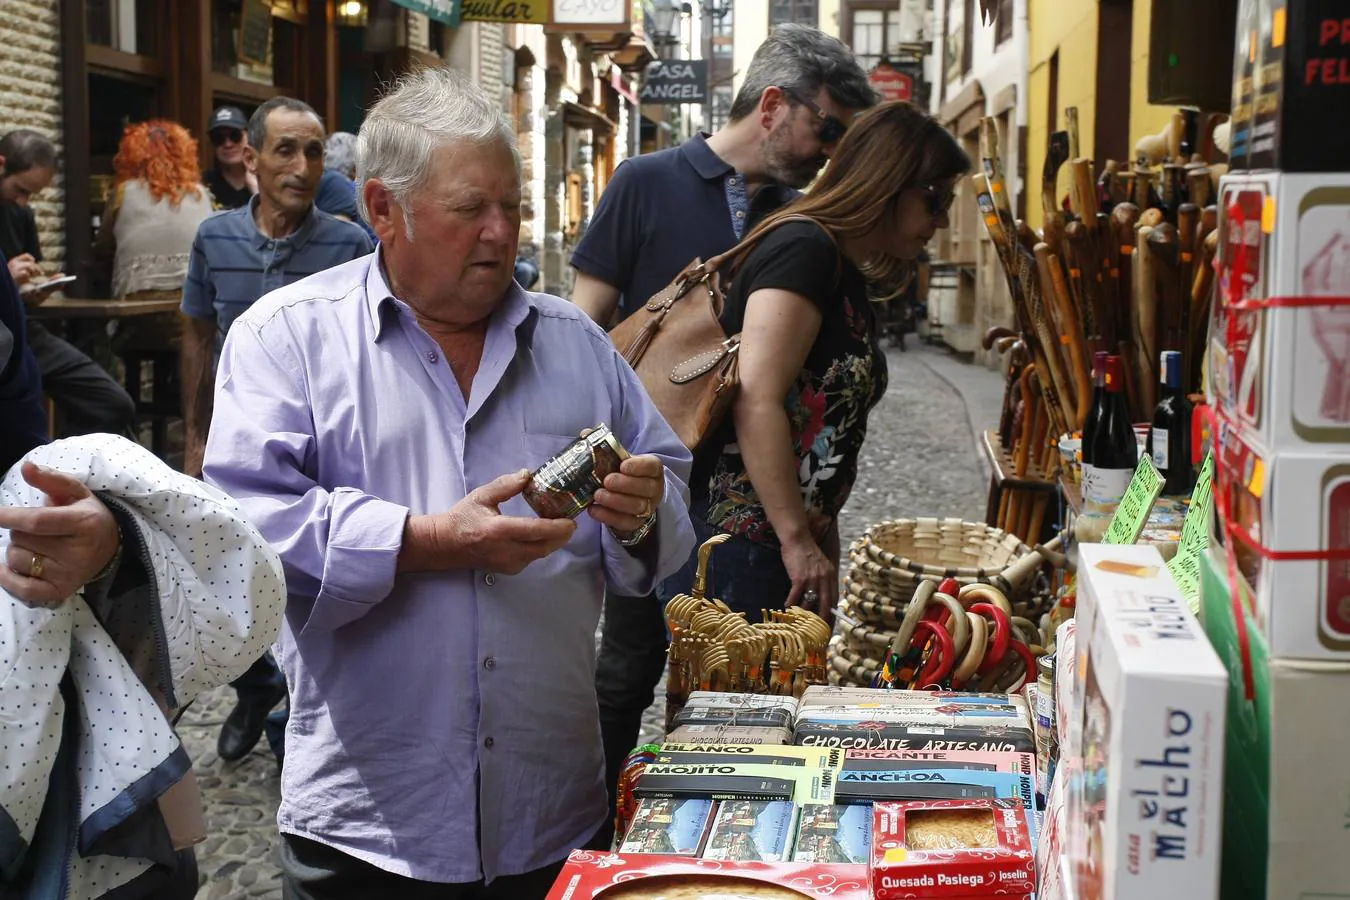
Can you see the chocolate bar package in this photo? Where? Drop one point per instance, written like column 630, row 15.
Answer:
column 704, row 713
column 738, row 781
column 672, row 825
column 882, row 760
column 843, row 695
column 884, row 736
column 752, row 831
column 834, row 834
column 829, row 757
column 748, row 735
column 870, row 785
column 955, row 715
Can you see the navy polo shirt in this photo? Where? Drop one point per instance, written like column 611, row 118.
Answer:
column 663, row 209
column 233, row 264
column 21, row 405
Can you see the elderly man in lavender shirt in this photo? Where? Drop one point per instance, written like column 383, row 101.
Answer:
column 439, row 638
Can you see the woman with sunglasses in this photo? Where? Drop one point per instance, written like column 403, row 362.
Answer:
column 779, row 470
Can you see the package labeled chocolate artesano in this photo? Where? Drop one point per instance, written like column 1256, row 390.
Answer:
column 950, row 849
column 752, row 831
column 674, row 825
column 751, row 735
column 738, row 780
column 834, row 834
column 1145, row 813
column 821, row 757
column 887, row 736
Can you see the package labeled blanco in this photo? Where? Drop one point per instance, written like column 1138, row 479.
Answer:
column 1144, row 816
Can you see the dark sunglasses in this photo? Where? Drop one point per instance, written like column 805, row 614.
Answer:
column 939, row 199
column 831, row 128
column 221, row 135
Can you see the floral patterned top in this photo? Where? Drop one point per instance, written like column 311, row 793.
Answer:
column 844, row 377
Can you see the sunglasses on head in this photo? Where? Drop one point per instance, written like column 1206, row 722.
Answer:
column 939, row 199
column 221, row 135
column 830, row 129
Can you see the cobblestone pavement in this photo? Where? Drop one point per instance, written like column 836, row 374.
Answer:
column 920, row 459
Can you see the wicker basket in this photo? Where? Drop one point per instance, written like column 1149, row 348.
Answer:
column 891, row 559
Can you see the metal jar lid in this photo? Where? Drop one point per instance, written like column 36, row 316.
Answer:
column 1045, row 666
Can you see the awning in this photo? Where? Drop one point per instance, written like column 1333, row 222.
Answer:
column 444, row 11
column 577, row 116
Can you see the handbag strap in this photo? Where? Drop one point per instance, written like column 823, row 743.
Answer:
column 748, row 244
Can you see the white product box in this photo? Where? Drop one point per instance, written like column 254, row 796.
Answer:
column 1145, row 814
column 1294, row 503
column 1283, row 372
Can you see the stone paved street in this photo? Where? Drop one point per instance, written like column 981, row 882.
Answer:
column 920, row 459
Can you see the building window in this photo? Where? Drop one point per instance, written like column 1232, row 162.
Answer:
column 719, row 107
column 967, row 37
column 802, row 11
column 1003, row 21
column 131, row 26
column 876, row 34
column 722, row 32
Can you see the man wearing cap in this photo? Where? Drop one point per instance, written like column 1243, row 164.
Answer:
column 229, row 180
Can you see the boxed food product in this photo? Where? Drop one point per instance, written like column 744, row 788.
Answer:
column 1011, row 709
column 1297, row 63
column 738, row 781
column 869, row 785
column 1246, row 51
column 974, row 760
column 1282, row 372
column 714, row 708
column 1144, row 815
column 1294, row 503
column 951, row 848
column 1287, row 780
column 844, row 695
column 1068, row 726
column 1050, row 840
column 611, row 876
column 674, row 752
column 834, row 834
column 752, row 831
column 669, row 825
column 754, row 735
column 887, row 736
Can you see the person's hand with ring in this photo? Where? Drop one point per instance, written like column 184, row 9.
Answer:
column 55, row 550
column 631, row 495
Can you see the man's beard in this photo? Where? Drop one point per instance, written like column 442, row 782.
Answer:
column 785, row 168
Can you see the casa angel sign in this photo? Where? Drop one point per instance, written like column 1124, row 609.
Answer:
column 675, row 81
column 582, row 15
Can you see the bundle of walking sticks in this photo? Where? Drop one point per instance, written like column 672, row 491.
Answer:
column 1124, row 266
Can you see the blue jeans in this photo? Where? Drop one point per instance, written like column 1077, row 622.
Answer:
column 746, row 576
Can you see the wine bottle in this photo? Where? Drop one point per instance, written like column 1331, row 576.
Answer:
column 1095, row 411
column 1115, row 452
column 1169, row 443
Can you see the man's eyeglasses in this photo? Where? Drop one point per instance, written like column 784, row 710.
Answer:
column 939, row 199
column 831, row 128
column 221, row 135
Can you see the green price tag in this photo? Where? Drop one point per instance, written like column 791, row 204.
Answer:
column 1132, row 514
column 1185, row 566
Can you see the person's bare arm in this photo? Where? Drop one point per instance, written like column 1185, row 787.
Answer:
column 596, row 298
column 199, row 383
column 780, row 327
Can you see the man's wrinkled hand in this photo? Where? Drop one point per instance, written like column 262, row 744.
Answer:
column 56, row 549
column 474, row 534
column 631, row 495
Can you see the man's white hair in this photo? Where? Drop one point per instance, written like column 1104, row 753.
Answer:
column 427, row 108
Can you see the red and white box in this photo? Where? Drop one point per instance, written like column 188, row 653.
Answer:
column 600, row 876
column 1282, row 372
column 951, row 849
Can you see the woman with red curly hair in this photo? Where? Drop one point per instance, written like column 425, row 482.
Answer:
column 159, row 203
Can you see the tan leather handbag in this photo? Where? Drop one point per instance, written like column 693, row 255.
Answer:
column 681, row 353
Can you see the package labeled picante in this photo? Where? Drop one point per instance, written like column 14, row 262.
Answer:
column 674, row 825
column 674, row 752
column 736, row 780
column 834, row 834
column 1279, row 363
column 951, row 848
column 1144, row 814
column 752, row 831
column 876, row 735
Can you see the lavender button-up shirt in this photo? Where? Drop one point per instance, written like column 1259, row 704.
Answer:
column 443, row 725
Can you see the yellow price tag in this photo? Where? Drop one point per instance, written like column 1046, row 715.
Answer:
column 896, row 855
column 1185, row 566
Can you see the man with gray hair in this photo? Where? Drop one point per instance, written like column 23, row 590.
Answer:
column 657, row 214
column 439, row 640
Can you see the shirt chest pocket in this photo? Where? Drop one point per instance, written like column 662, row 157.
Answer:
column 539, row 448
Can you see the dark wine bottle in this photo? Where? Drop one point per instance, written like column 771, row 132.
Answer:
column 1115, row 452
column 1095, row 411
column 1169, row 443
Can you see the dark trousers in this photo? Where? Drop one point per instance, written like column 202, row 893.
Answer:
column 632, row 657
column 314, row 871
column 260, row 683
column 746, row 576
column 90, row 399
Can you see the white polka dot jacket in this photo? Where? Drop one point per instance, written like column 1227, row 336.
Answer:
column 96, row 792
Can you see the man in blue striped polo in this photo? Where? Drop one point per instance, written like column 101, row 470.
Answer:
column 237, row 257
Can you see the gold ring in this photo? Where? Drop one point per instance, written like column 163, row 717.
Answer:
column 646, row 509
column 36, row 566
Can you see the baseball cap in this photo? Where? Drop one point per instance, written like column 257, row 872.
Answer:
column 228, row 117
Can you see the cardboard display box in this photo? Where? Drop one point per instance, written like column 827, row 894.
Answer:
column 752, row 831
column 888, row 736
column 670, row 826
column 1286, row 824
column 1294, row 502
column 602, row 876
column 1283, row 372
column 834, row 834
column 1144, row 815
column 915, row 856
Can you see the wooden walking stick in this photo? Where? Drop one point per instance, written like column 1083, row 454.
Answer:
column 1145, row 322
column 1071, row 334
